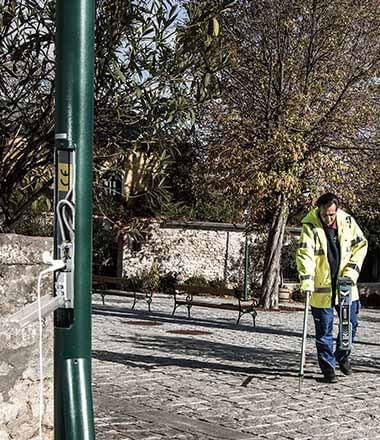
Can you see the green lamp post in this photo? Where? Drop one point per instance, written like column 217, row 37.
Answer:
column 73, row 412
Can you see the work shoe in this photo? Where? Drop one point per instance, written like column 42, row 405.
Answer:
column 345, row 367
column 330, row 377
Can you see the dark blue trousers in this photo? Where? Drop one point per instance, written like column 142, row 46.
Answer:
column 324, row 320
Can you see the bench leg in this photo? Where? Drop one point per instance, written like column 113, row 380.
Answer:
column 174, row 308
column 253, row 313
column 134, row 300
column 188, row 310
column 149, row 300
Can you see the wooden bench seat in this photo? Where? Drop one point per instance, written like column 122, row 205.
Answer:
column 241, row 306
column 121, row 287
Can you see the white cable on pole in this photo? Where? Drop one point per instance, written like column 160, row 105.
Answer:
column 54, row 265
column 63, row 220
column 41, row 390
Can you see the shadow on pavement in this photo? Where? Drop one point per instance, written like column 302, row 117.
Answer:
column 369, row 318
column 203, row 354
column 197, row 353
column 356, row 342
column 210, row 324
column 150, row 362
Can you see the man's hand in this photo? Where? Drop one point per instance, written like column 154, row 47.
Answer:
column 306, row 294
column 345, row 281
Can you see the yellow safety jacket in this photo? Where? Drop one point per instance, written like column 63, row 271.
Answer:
column 311, row 256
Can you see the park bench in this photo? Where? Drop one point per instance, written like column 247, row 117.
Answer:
column 184, row 296
column 121, row 287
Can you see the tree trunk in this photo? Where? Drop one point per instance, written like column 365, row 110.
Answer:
column 3, row 216
column 272, row 270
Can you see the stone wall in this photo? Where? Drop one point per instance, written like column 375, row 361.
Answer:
column 20, row 263
column 214, row 255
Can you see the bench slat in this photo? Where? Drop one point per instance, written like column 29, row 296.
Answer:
column 216, row 305
column 205, row 290
column 243, row 306
column 100, row 279
column 119, row 282
column 113, row 292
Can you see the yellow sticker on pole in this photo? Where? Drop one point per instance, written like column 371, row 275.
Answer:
column 64, row 177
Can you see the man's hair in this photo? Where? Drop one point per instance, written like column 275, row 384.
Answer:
column 327, row 200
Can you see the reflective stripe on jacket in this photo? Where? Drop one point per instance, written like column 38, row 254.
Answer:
column 311, row 256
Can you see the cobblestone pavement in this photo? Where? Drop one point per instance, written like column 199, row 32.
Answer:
column 151, row 381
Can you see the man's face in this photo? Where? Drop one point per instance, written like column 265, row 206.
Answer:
column 328, row 214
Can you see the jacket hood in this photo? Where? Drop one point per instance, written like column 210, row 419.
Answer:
column 313, row 217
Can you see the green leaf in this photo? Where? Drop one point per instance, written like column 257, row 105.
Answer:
column 192, row 116
column 207, row 79
column 170, row 117
column 215, row 27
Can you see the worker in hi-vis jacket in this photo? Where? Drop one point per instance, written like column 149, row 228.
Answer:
column 331, row 246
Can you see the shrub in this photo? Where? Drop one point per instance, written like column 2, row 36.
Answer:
column 217, row 282
column 167, row 282
column 151, row 279
column 196, row 280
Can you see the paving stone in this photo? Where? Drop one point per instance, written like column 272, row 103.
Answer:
column 235, row 382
